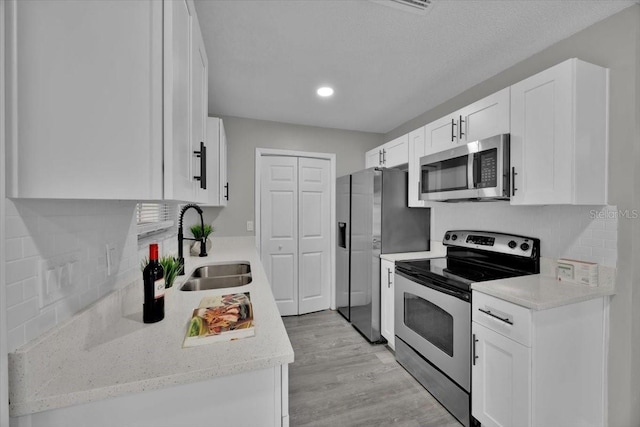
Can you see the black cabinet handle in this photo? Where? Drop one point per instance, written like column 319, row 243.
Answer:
column 473, row 351
column 453, row 132
column 226, row 191
column 460, row 127
column 384, row 157
column 489, row 313
column 379, row 157
column 202, row 154
column 513, row 181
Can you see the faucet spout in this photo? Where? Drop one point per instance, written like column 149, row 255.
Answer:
column 181, row 238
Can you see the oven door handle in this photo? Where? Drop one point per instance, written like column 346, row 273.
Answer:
column 503, row 319
column 432, row 284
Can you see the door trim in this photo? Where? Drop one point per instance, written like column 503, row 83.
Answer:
column 260, row 152
column 4, row 365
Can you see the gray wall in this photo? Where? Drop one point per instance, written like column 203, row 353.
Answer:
column 245, row 135
column 612, row 43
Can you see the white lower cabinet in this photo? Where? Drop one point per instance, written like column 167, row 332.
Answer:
column 502, row 372
column 387, row 279
column 209, row 402
column 538, row 368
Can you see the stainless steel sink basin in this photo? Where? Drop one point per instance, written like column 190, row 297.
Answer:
column 218, row 276
column 217, row 270
column 208, row 283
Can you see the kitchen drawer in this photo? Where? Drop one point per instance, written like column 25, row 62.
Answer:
column 511, row 320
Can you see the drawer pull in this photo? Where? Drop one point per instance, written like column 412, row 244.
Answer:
column 474, row 355
column 504, row 319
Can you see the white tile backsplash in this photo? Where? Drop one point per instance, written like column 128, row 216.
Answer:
column 587, row 233
column 41, row 230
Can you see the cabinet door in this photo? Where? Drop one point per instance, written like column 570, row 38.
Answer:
column 396, row 152
column 216, row 162
column 178, row 155
column 373, row 158
column 387, row 271
column 417, row 149
column 541, row 135
column 84, row 107
column 500, row 379
column 485, row 118
column 224, row 180
column 200, row 110
column 441, row 134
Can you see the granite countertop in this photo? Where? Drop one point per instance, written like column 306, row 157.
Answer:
column 437, row 250
column 540, row 292
column 106, row 350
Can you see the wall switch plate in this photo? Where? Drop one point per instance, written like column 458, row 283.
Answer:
column 249, row 225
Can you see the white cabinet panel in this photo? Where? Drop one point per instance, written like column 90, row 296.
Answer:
column 538, row 367
column 482, row 119
column 418, row 147
column 85, row 99
column 200, row 111
column 217, row 184
column 387, row 280
column 373, row 158
column 501, row 377
column 113, row 116
column 485, row 118
column 389, row 155
column 559, row 135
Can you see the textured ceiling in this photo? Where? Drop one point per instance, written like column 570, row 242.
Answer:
column 267, row 57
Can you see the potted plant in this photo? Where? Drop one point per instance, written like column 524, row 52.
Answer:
column 199, row 233
column 169, row 265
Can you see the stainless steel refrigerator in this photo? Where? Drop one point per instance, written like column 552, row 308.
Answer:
column 373, row 218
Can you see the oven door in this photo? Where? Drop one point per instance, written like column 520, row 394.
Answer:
column 437, row 325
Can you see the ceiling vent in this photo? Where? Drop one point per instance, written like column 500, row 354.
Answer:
column 420, row 7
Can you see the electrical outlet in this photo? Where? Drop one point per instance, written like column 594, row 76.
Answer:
column 58, row 277
column 249, row 225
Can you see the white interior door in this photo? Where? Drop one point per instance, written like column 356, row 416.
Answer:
column 279, row 225
column 314, row 211
column 295, row 219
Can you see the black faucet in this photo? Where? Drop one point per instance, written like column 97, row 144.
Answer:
column 181, row 238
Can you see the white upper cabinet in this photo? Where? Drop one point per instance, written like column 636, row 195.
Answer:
column 217, row 184
column 482, row 119
column 417, row 149
column 100, row 102
column 391, row 154
column 200, row 111
column 559, row 136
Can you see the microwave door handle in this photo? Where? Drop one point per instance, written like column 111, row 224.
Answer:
column 471, row 175
column 476, row 169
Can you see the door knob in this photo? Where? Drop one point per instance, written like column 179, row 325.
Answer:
column 279, row 247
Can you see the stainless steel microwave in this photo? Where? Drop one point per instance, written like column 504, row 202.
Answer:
column 478, row 170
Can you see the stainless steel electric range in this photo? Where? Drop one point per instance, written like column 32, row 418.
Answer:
column 433, row 309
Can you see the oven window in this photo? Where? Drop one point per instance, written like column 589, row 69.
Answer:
column 447, row 175
column 429, row 321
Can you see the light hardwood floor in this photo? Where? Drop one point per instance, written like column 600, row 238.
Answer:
column 339, row 379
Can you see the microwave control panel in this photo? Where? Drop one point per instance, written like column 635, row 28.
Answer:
column 488, row 169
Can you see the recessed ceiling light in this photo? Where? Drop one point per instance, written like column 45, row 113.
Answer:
column 325, row 91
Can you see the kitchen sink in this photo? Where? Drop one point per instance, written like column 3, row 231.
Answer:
column 217, row 270
column 218, row 276
column 208, row 283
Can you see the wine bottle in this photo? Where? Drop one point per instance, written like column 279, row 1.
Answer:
column 153, row 275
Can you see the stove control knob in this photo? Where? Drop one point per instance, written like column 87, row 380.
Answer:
column 447, row 236
column 524, row 246
column 454, row 237
column 512, row 244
